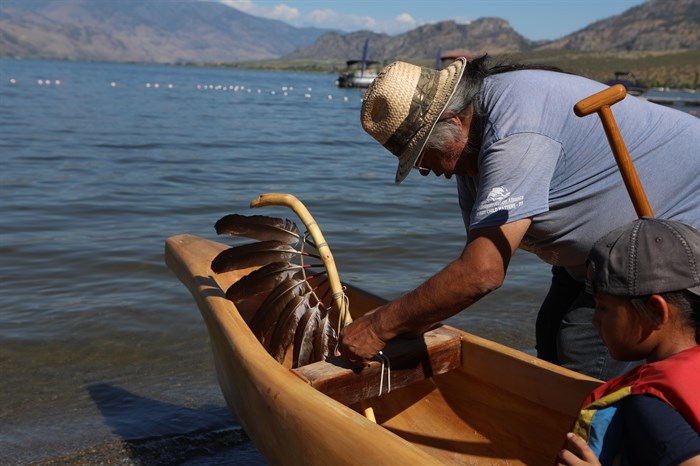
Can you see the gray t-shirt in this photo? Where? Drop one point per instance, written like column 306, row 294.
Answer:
column 540, row 160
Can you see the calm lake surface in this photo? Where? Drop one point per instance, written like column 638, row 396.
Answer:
column 104, row 357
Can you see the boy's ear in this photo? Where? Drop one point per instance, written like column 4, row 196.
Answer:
column 660, row 308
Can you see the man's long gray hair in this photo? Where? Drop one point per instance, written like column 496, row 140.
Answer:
column 445, row 131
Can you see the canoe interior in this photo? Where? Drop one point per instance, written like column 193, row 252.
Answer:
column 500, row 406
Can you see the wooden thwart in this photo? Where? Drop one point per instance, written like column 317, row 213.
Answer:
column 409, row 360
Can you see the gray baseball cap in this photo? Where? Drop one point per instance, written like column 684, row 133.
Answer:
column 645, row 257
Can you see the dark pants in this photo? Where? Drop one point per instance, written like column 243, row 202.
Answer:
column 565, row 334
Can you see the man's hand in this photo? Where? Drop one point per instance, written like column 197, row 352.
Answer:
column 359, row 342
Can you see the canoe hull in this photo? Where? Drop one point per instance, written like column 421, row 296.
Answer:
column 500, row 406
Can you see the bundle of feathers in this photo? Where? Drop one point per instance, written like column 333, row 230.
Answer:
column 295, row 308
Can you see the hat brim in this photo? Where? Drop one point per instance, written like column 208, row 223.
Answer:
column 695, row 290
column 449, row 77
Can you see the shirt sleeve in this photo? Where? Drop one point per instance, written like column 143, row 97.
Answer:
column 466, row 190
column 515, row 173
column 655, row 433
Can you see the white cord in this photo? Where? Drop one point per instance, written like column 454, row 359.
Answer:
column 381, row 374
column 385, row 361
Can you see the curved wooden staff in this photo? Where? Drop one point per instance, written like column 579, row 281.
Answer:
column 321, row 245
column 324, row 251
column 600, row 103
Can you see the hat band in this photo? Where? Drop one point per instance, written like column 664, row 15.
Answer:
column 420, row 104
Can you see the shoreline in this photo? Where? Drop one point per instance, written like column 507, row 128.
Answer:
column 675, row 70
column 199, row 447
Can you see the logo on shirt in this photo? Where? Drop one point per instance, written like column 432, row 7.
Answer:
column 498, row 194
column 499, row 198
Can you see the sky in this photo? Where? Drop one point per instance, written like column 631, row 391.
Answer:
column 533, row 19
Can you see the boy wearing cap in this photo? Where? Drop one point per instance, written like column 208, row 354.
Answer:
column 530, row 175
column 645, row 278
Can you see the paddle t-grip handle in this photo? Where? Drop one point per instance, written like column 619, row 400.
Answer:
column 600, row 103
column 597, row 101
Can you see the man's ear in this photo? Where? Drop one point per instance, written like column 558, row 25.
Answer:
column 455, row 120
column 465, row 118
column 660, row 309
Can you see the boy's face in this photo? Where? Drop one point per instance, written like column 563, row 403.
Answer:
column 623, row 330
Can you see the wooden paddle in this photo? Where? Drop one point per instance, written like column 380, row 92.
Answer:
column 600, row 103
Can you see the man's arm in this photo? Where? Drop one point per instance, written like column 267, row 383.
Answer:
column 480, row 269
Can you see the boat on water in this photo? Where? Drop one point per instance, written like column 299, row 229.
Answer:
column 358, row 74
column 445, row 397
column 682, row 99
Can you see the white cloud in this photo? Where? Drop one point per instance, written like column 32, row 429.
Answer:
column 325, row 18
column 243, row 5
column 280, row 11
column 406, row 20
column 285, row 13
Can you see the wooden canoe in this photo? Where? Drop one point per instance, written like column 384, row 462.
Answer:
column 462, row 400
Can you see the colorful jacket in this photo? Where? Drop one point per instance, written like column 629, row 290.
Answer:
column 675, row 380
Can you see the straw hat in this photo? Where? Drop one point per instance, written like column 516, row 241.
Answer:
column 403, row 104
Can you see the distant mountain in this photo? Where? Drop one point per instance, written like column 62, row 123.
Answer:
column 659, row 25
column 654, row 25
column 156, row 31
column 167, row 31
column 487, row 34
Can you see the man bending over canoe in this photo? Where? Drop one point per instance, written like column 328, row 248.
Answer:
column 530, row 175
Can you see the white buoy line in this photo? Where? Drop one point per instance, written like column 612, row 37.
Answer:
column 40, row 82
column 282, row 91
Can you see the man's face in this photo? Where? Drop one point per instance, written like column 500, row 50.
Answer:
column 442, row 163
column 452, row 159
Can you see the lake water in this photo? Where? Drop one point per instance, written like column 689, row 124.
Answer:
column 103, row 355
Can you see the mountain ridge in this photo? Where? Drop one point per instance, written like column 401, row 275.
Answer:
column 153, row 31
column 654, row 25
column 493, row 35
column 205, row 32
